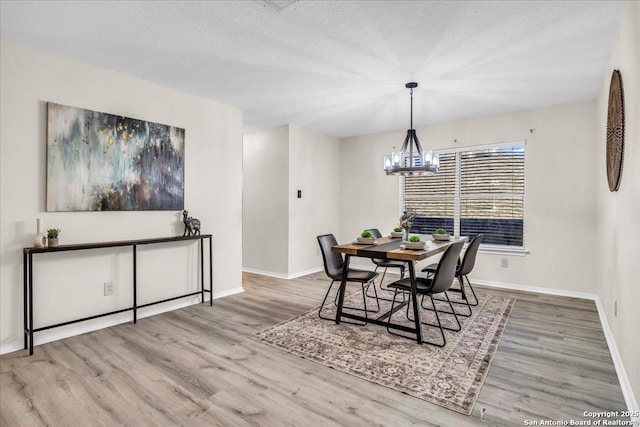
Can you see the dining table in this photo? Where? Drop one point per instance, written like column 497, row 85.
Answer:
column 390, row 248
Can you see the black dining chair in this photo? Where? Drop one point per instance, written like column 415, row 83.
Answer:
column 333, row 266
column 465, row 266
column 439, row 283
column 386, row 263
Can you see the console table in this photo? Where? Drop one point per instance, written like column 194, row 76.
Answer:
column 28, row 279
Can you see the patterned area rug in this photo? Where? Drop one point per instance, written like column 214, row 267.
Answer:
column 450, row 376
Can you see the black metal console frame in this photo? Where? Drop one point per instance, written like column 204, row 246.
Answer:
column 28, row 279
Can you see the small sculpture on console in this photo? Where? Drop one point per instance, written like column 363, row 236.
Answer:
column 191, row 225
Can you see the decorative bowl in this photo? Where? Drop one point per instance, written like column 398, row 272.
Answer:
column 367, row 240
column 442, row 237
column 415, row 245
column 397, row 234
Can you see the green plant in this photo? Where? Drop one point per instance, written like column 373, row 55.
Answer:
column 441, row 231
column 398, row 229
column 414, row 239
column 52, row 233
column 366, row 234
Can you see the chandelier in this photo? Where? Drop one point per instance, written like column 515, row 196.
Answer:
column 411, row 160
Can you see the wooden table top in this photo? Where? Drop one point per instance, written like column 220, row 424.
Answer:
column 389, row 248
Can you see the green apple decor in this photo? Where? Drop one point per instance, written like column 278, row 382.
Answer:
column 398, row 230
column 414, row 239
column 441, row 231
column 366, row 234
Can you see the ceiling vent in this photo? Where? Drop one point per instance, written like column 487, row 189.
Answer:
column 279, row 5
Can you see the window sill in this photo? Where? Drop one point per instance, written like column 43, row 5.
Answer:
column 502, row 250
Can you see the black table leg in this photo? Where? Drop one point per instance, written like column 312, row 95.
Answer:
column 30, row 304
column 24, row 300
column 202, row 271
column 414, row 299
column 135, row 285
column 210, row 271
column 343, row 286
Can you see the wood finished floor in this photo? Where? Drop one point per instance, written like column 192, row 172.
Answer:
column 197, row 367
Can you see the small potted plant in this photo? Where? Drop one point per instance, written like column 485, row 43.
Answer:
column 52, row 237
column 397, row 232
column 440, row 234
column 366, row 237
column 414, row 242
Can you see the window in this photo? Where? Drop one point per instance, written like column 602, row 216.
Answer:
column 477, row 190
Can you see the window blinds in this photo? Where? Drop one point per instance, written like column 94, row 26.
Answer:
column 476, row 191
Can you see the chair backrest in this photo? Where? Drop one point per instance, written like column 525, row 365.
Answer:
column 333, row 262
column 375, row 232
column 446, row 271
column 469, row 259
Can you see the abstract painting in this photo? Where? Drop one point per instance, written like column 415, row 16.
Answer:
column 103, row 162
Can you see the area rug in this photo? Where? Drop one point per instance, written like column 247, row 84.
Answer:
column 451, row 376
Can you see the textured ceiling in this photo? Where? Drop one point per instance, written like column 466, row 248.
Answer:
column 339, row 67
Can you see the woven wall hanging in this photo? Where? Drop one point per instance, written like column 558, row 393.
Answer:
column 615, row 131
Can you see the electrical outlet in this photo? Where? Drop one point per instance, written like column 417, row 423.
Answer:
column 108, row 288
column 504, row 262
column 615, row 308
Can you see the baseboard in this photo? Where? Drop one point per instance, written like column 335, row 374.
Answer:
column 227, row 292
column 280, row 275
column 305, row 273
column 116, row 319
column 536, row 289
column 623, row 379
column 625, row 385
column 265, row 273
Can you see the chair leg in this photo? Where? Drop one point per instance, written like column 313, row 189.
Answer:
column 475, row 297
column 444, row 339
column 333, row 319
column 365, row 287
column 382, row 289
column 335, row 300
column 393, row 302
column 384, row 273
column 364, row 290
column 464, row 297
column 364, row 301
column 375, row 293
column 454, row 313
column 433, row 300
column 462, row 292
column 465, row 303
column 324, row 300
column 439, row 326
column 381, row 280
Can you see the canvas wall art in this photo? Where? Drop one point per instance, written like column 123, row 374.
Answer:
column 103, row 162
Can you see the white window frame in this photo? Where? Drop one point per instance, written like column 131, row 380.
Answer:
column 484, row 248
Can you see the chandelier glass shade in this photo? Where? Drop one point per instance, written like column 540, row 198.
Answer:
column 411, row 159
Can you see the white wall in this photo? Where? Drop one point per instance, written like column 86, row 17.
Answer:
column 560, row 219
column 314, row 168
column 265, row 213
column 279, row 229
column 70, row 284
column 618, row 236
